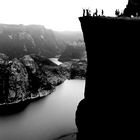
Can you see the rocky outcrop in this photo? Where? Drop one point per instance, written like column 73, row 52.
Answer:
column 78, row 69
column 34, row 76
column 18, row 82
column 75, row 50
column 111, row 97
column 31, row 76
column 3, row 77
column 75, row 69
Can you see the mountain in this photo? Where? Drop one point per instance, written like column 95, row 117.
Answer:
column 19, row 40
column 64, row 38
column 75, row 50
column 31, row 76
column 25, row 70
column 34, row 76
column 71, row 44
column 69, row 36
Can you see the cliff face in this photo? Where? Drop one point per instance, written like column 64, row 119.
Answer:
column 34, row 76
column 110, row 58
column 72, row 51
column 29, row 77
column 18, row 82
column 113, row 58
column 75, row 69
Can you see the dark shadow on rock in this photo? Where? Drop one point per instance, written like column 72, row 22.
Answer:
column 82, row 120
column 12, row 109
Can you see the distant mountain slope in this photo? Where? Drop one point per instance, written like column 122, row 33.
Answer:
column 64, row 38
column 69, row 36
column 18, row 40
column 75, row 50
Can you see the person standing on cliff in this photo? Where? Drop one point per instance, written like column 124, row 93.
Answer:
column 96, row 12
column 83, row 12
column 117, row 12
column 102, row 12
column 87, row 12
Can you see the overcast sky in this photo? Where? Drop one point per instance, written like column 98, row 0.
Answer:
column 54, row 14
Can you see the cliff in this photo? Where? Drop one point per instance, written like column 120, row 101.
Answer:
column 75, row 69
column 33, row 76
column 29, row 77
column 113, row 58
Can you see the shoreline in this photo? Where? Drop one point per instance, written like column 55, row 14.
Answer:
column 34, row 98
column 30, row 99
column 68, row 136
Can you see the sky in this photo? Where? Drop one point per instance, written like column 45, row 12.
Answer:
column 59, row 15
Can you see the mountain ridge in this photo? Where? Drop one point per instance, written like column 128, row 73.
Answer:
column 19, row 40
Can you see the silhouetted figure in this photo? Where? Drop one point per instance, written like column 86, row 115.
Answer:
column 88, row 12
column 102, row 12
column 96, row 12
column 84, row 11
column 117, row 12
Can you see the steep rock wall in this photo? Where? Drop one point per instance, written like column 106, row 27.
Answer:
column 113, row 58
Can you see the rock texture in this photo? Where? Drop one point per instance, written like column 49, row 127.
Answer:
column 18, row 82
column 4, row 81
column 78, row 69
column 29, row 77
column 75, row 50
column 75, row 69
column 19, row 40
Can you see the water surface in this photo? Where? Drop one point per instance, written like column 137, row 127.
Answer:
column 47, row 118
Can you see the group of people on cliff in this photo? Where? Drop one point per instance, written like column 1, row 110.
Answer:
column 118, row 13
column 87, row 12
